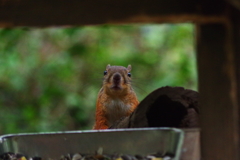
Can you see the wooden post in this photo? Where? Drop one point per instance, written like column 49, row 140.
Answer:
column 235, row 24
column 217, row 86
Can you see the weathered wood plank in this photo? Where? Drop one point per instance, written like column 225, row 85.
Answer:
column 86, row 12
column 235, row 24
column 191, row 145
column 217, row 86
column 235, row 3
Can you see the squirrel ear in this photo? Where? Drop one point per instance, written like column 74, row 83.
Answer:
column 129, row 68
column 108, row 66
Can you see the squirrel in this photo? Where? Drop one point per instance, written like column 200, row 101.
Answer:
column 116, row 99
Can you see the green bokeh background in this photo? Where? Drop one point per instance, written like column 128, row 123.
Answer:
column 50, row 77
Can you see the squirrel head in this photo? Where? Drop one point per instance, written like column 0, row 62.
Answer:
column 117, row 80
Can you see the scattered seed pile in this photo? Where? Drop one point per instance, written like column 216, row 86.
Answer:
column 77, row 156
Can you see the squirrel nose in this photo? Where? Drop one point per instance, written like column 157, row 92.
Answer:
column 116, row 78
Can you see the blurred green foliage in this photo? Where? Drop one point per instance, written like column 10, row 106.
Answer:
column 49, row 78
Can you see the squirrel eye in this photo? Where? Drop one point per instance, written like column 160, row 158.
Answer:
column 105, row 72
column 129, row 74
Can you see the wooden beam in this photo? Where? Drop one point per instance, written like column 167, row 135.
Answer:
column 235, row 24
column 87, row 12
column 217, row 87
column 235, row 3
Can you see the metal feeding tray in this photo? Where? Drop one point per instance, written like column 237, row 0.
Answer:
column 143, row 141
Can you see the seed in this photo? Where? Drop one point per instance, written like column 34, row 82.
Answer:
column 76, row 156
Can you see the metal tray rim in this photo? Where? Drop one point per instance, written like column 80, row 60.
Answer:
column 90, row 131
column 178, row 131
